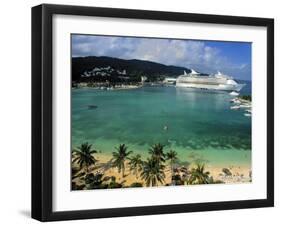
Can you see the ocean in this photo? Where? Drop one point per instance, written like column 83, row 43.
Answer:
column 198, row 125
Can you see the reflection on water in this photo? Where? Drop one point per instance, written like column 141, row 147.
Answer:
column 194, row 96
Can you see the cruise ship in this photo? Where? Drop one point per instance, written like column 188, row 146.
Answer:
column 217, row 81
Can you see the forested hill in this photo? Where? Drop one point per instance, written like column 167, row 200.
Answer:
column 99, row 68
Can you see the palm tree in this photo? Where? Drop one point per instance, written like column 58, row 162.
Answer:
column 153, row 172
column 119, row 158
column 199, row 175
column 157, row 153
column 136, row 164
column 172, row 157
column 84, row 156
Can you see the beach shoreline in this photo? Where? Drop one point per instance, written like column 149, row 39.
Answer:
column 240, row 173
column 199, row 128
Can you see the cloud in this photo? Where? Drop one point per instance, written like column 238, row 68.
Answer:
column 187, row 53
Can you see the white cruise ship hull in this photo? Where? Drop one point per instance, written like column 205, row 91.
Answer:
column 217, row 82
column 219, row 87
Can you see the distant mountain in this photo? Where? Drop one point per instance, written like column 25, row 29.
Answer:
column 94, row 68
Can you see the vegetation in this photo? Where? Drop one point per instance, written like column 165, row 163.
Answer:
column 134, row 68
column 119, row 158
column 136, row 185
column 136, row 164
column 74, row 186
column 114, row 184
column 199, row 175
column 94, row 181
column 84, row 156
column 157, row 153
column 246, row 97
column 172, row 157
column 177, row 179
column 151, row 171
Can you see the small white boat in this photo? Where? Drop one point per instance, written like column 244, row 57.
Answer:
column 248, row 115
column 235, row 107
column 245, row 106
column 235, row 101
column 233, row 93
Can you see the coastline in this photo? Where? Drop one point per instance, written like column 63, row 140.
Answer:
column 105, row 86
column 219, row 138
column 240, row 172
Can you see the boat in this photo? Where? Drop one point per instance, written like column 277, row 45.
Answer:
column 235, row 107
column 235, row 101
column 245, row 106
column 233, row 93
column 169, row 81
column 248, row 115
column 217, row 81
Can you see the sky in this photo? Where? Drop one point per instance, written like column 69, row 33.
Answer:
column 231, row 58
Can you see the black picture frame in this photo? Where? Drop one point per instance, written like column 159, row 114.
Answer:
column 42, row 111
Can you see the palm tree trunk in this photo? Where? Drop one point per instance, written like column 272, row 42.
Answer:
column 172, row 173
column 123, row 172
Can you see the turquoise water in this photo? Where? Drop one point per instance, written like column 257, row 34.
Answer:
column 200, row 124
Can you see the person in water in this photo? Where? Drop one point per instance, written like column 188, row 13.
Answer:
column 165, row 127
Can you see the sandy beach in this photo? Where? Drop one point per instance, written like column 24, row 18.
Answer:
column 239, row 173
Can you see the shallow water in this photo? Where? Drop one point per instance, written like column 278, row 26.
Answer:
column 199, row 124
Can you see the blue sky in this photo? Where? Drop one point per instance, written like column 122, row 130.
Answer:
column 232, row 58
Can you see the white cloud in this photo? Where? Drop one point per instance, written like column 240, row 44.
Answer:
column 186, row 53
